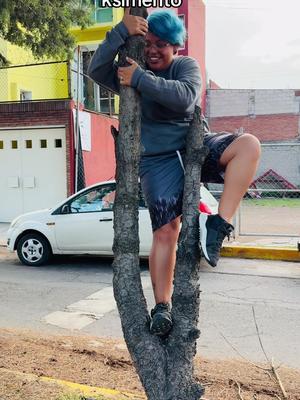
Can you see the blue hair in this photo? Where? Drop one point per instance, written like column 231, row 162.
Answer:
column 167, row 26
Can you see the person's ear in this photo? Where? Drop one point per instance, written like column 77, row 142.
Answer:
column 175, row 49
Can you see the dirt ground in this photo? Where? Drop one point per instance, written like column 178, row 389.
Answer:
column 274, row 220
column 26, row 357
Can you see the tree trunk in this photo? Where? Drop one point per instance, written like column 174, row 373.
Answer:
column 165, row 367
column 181, row 346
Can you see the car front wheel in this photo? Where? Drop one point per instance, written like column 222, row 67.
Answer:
column 33, row 249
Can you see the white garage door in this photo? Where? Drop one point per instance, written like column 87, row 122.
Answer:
column 32, row 170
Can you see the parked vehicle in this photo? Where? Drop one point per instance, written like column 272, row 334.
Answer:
column 81, row 224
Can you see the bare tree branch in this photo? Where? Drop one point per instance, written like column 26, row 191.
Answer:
column 258, row 335
column 239, row 390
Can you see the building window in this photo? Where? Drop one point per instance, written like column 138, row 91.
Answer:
column 95, row 97
column 58, row 143
column 101, row 14
column 182, row 17
column 25, row 95
column 28, row 144
column 43, row 143
column 107, row 101
column 14, row 144
column 1, row 145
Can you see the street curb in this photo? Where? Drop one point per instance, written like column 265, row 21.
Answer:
column 262, row 253
column 255, row 252
column 93, row 390
column 84, row 389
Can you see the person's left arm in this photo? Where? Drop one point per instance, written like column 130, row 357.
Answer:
column 181, row 93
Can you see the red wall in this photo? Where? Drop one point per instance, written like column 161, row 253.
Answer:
column 213, row 85
column 184, row 10
column 196, row 38
column 264, row 127
column 194, row 18
column 99, row 164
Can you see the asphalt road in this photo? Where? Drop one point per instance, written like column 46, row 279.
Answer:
column 240, row 298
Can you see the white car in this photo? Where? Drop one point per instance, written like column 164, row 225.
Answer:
column 81, row 224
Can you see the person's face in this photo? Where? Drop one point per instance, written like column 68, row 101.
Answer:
column 158, row 53
column 92, row 195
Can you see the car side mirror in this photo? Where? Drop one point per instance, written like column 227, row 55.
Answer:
column 65, row 209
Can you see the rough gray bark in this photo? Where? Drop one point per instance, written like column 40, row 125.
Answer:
column 165, row 367
column 181, row 345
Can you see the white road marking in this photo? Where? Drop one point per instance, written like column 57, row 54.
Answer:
column 84, row 312
column 68, row 320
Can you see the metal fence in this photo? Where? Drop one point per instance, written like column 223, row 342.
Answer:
column 29, row 82
column 271, row 207
column 93, row 96
column 56, row 80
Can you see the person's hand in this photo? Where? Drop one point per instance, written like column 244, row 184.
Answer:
column 125, row 73
column 135, row 25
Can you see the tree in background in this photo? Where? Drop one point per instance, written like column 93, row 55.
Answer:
column 42, row 26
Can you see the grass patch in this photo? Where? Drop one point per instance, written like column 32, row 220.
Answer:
column 290, row 203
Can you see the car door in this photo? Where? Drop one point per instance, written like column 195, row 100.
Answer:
column 145, row 227
column 88, row 225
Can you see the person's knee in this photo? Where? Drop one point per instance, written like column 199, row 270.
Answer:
column 167, row 234
column 250, row 146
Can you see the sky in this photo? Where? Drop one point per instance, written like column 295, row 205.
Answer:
column 253, row 43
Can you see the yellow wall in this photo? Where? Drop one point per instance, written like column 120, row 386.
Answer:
column 96, row 33
column 48, row 81
column 3, row 73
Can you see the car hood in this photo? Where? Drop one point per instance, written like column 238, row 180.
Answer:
column 39, row 215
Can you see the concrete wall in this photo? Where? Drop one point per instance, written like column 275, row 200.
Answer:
column 284, row 159
column 271, row 115
column 265, row 127
column 238, row 102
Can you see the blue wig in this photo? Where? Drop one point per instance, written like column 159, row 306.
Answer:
column 167, row 26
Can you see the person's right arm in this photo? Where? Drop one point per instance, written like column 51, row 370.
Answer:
column 103, row 68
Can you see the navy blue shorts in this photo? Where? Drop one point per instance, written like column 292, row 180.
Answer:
column 162, row 178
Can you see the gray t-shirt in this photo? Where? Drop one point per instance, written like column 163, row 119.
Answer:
column 168, row 96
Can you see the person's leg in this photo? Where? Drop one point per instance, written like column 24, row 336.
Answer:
column 162, row 260
column 162, row 263
column 240, row 160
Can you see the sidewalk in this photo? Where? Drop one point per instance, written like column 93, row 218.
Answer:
column 3, row 229
column 261, row 241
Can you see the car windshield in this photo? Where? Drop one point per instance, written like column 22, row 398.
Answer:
column 97, row 199
column 100, row 198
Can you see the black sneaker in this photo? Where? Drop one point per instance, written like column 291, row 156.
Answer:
column 161, row 322
column 213, row 230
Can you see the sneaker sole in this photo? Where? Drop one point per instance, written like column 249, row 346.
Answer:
column 162, row 328
column 203, row 236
